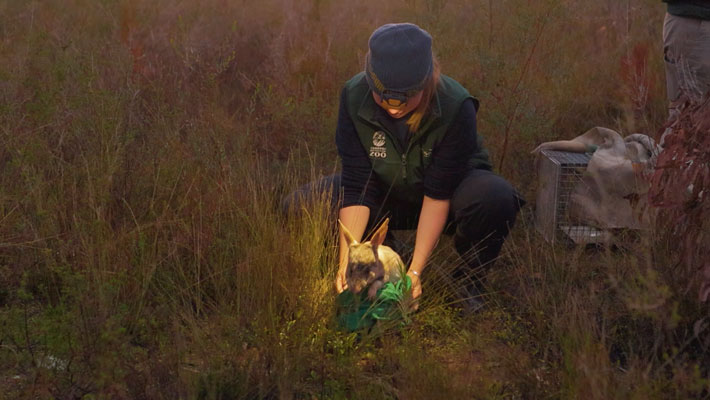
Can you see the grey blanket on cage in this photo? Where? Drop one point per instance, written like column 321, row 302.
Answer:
column 611, row 193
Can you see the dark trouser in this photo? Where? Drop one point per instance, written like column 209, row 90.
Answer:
column 483, row 209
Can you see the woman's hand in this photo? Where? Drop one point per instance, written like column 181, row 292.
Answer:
column 340, row 282
column 432, row 219
column 416, row 289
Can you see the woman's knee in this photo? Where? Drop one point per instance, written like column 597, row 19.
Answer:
column 485, row 195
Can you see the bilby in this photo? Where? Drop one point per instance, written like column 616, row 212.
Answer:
column 371, row 263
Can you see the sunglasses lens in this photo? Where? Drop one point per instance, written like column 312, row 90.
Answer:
column 394, row 99
column 394, row 102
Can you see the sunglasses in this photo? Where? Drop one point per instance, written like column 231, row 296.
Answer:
column 395, row 99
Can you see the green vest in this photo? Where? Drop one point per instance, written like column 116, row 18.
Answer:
column 401, row 171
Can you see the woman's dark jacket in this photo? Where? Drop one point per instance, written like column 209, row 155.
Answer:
column 689, row 8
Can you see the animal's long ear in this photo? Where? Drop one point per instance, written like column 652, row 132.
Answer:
column 379, row 236
column 348, row 236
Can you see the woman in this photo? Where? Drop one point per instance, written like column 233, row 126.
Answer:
column 407, row 138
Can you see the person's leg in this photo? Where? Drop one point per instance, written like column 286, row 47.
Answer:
column 703, row 50
column 327, row 187
column 686, row 51
column 483, row 209
column 670, row 57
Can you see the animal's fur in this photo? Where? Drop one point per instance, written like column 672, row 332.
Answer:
column 371, row 263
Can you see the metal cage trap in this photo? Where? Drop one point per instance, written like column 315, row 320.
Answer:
column 559, row 172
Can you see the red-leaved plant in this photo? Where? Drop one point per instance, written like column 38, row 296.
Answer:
column 680, row 188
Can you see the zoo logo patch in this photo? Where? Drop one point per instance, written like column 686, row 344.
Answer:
column 378, row 138
column 378, row 150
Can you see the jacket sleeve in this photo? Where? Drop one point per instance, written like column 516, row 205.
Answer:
column 453, row 156
column 360, row 184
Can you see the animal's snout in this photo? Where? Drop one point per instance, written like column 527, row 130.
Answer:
column 356, row 286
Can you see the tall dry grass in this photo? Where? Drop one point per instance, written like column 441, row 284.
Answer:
column 145, row 147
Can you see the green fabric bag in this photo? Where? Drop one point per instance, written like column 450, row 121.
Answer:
column 357, row 312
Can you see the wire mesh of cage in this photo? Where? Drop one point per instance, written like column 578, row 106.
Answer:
column 559, row 172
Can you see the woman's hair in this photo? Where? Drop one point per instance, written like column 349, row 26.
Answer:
column 415, row 120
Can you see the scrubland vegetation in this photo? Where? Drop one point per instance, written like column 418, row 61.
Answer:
column 144, row 150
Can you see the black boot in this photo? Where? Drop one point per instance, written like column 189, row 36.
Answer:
column 469, row 291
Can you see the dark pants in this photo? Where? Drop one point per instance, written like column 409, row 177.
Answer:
column 483, row 209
